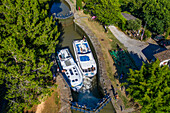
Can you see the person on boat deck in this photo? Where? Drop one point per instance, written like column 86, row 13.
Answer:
column 93, row 68
column 64, row 70
column 81, row 49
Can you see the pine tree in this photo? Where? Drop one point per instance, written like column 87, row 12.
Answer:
column 150, row 87
column 27, row 39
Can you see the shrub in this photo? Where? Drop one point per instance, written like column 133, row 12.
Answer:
column 57, row 98
column 134, row 24
column 147, row 34
column 85, row 11
column 167, row 33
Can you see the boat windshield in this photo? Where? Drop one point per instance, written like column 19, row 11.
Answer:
column 82, row 48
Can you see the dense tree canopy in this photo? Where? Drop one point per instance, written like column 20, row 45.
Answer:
column 107, row 11
column 27, row 38
column 155, row 12
column 150, row 87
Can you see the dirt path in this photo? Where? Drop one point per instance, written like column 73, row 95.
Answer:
column 40, row 107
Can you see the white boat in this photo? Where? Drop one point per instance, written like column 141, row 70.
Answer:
column 69, row 69
column 84, row 58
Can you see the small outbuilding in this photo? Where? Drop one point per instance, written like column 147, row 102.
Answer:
column 128, row 16
column 164, row 57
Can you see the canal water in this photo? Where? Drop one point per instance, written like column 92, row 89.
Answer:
column 90, row 93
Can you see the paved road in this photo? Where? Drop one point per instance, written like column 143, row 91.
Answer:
column 134, row 47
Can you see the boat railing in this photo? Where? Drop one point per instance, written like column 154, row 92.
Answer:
column 100, row 105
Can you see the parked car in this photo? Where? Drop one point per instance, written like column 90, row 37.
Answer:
column 159, row 38
column 164, row 43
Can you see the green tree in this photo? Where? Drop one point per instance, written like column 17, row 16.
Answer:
column 167, row 33
column 150, row 87
column 134, row 24
column 154, row 12
column 107, row 11
column 27, row 39
column 147, row 34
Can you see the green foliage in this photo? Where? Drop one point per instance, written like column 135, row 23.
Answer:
column 57, row 98
column 154, row 12
column 167, row 33
column 150, row 87
column 134, row 24
column 122, row 25
column 147, row 34
column 85, row 11
column 79, row 4
column 28, row 37
column 107, row 11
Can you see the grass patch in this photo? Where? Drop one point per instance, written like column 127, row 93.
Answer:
column 124, row 99
column 52, row 104
column 114, row 41
column 57, row 98
column 108, row 68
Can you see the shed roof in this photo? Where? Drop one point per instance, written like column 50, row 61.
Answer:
column 164, row 55
column 128, row 16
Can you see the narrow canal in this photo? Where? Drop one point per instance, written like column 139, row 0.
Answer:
column 90, row 93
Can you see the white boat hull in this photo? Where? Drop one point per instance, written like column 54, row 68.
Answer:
column 84, row 58
column 69, row 69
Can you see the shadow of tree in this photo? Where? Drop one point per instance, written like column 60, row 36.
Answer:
column 136, row 59
column 3, row 101
column 61, row 37
column 124, row 60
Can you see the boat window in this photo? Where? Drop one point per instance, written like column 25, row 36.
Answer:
column 67, row 73
column 68, row 53
column 86, row 45
column 73, row 67
column 68, row 57
column 76, row 79
column 85, row 70
column 71, row 72
column 62, row 56
column 74, row 70
column 72, row 80
column 76, row 73
column 68, row 76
